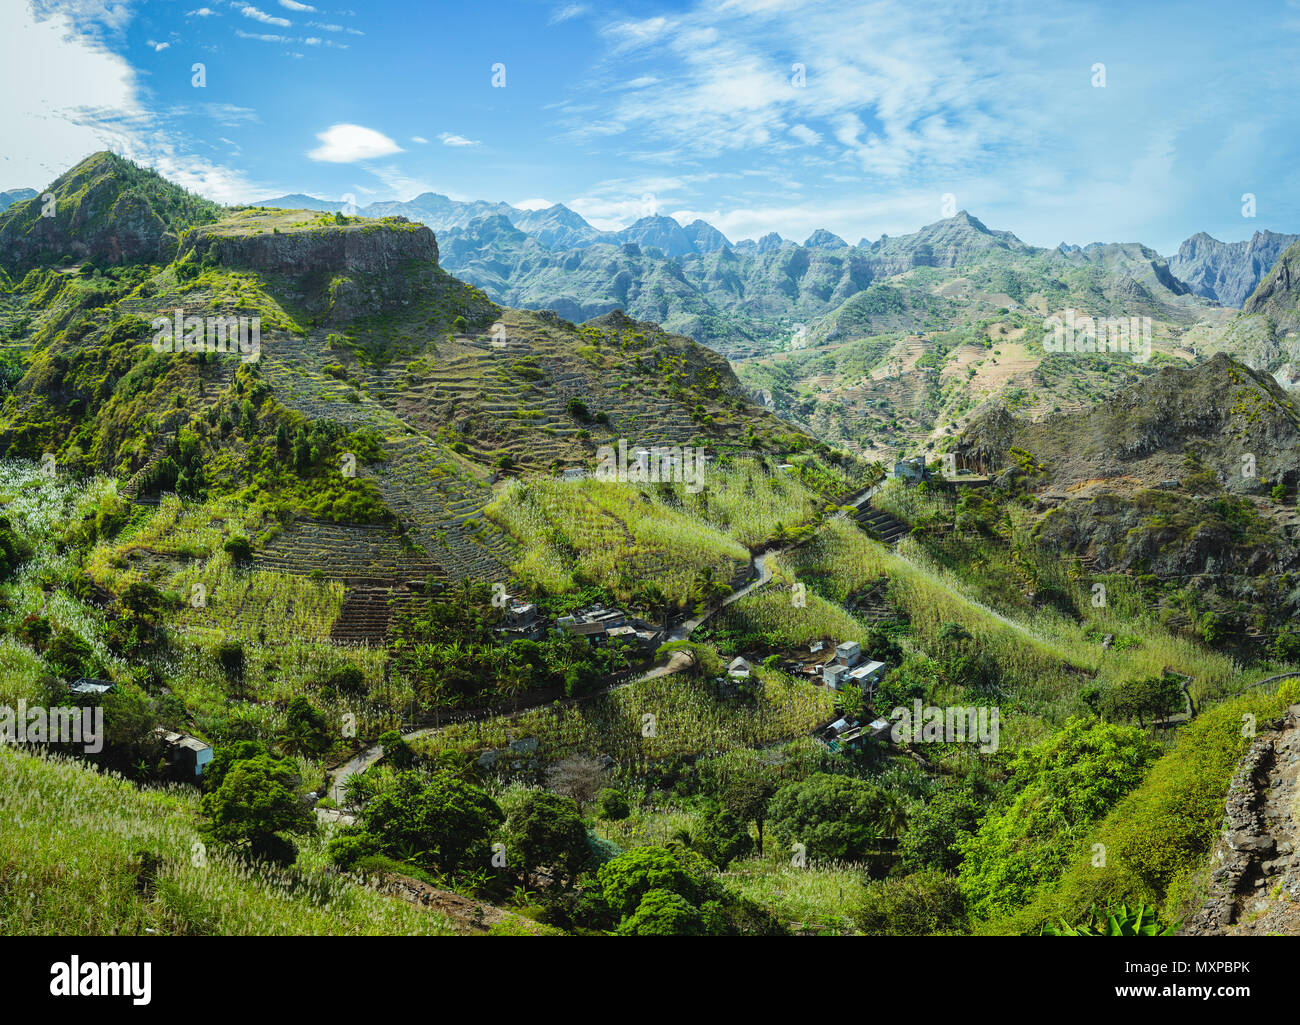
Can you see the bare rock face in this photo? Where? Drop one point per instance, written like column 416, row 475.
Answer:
column 371, row 247
column 1228, row 271
column 348, row 270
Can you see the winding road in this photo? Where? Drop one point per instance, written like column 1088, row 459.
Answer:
column 762, row 575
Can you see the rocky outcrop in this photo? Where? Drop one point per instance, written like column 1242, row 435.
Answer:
column 1278, row 294
column 1255, row 881
column 368, row 247
column 1228, row 271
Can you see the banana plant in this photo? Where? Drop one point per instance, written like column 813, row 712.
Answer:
column 1121, row 921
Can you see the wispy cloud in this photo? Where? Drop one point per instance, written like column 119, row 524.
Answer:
column 449, row 139
column 249, row 11
column 567, row 13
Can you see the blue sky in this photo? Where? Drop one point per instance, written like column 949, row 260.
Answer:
column 756, row 115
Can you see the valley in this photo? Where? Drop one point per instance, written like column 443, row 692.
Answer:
column 444, row 673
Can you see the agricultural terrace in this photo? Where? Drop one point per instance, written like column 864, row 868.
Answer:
column 690, row 719
column 618, row 535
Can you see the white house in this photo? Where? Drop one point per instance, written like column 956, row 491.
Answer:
column 739, row 668
column 868, row 674
column 833, row 674
column 848, row 653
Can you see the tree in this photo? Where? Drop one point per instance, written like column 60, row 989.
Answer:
column 71, row 657
column 708, row 591
column 347, row 680
column 230, row 656
column 444, row 823
column 1154, row 698
column 546, row 830
column 577, row 777
column 239, row 549
column 1057, row 789
column 836, row 818
column 397, row 752
column 929, row 842
column 746, row 783
column 612, row 805
column 663, row 913
column 305, row 729
column 627, row 879
column 225, row 757
column 722, row 837
column 256, row 804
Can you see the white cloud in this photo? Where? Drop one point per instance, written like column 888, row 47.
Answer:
column 420, row 139
column 56, row 83
column 448, row 139
column 158, row 47
column 533, row 204
column 69, row 96
column 631, row 35
column 562, row 14
column 293, row 5
column 201, row 12
column 269, row 19
column 805, row 135
column 346, row 144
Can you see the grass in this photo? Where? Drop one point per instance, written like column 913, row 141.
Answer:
column 688, row 721
column 69, row 865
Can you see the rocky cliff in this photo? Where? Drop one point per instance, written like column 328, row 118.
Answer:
column 1228, row 271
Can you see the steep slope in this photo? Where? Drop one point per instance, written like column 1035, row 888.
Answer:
column 1188, row 476
column 105, row 209
column 1266, row 334
column 1228, row 272
column 370, row 354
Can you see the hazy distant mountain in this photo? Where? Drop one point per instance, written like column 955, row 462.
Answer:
column 298, row 201
column 662, row 232
column 1228, row 271
column 745, row 298
column 705, row 237
column 8, row 199
column 823, row 239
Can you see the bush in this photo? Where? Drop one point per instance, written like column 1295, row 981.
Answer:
column 577, row 409
column 921, row 904
column 546, row 829
column 722, row 838
column 239, row 549
column 663, row 913
column 612, row 805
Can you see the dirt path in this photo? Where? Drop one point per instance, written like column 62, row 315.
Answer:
column 763, row 575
